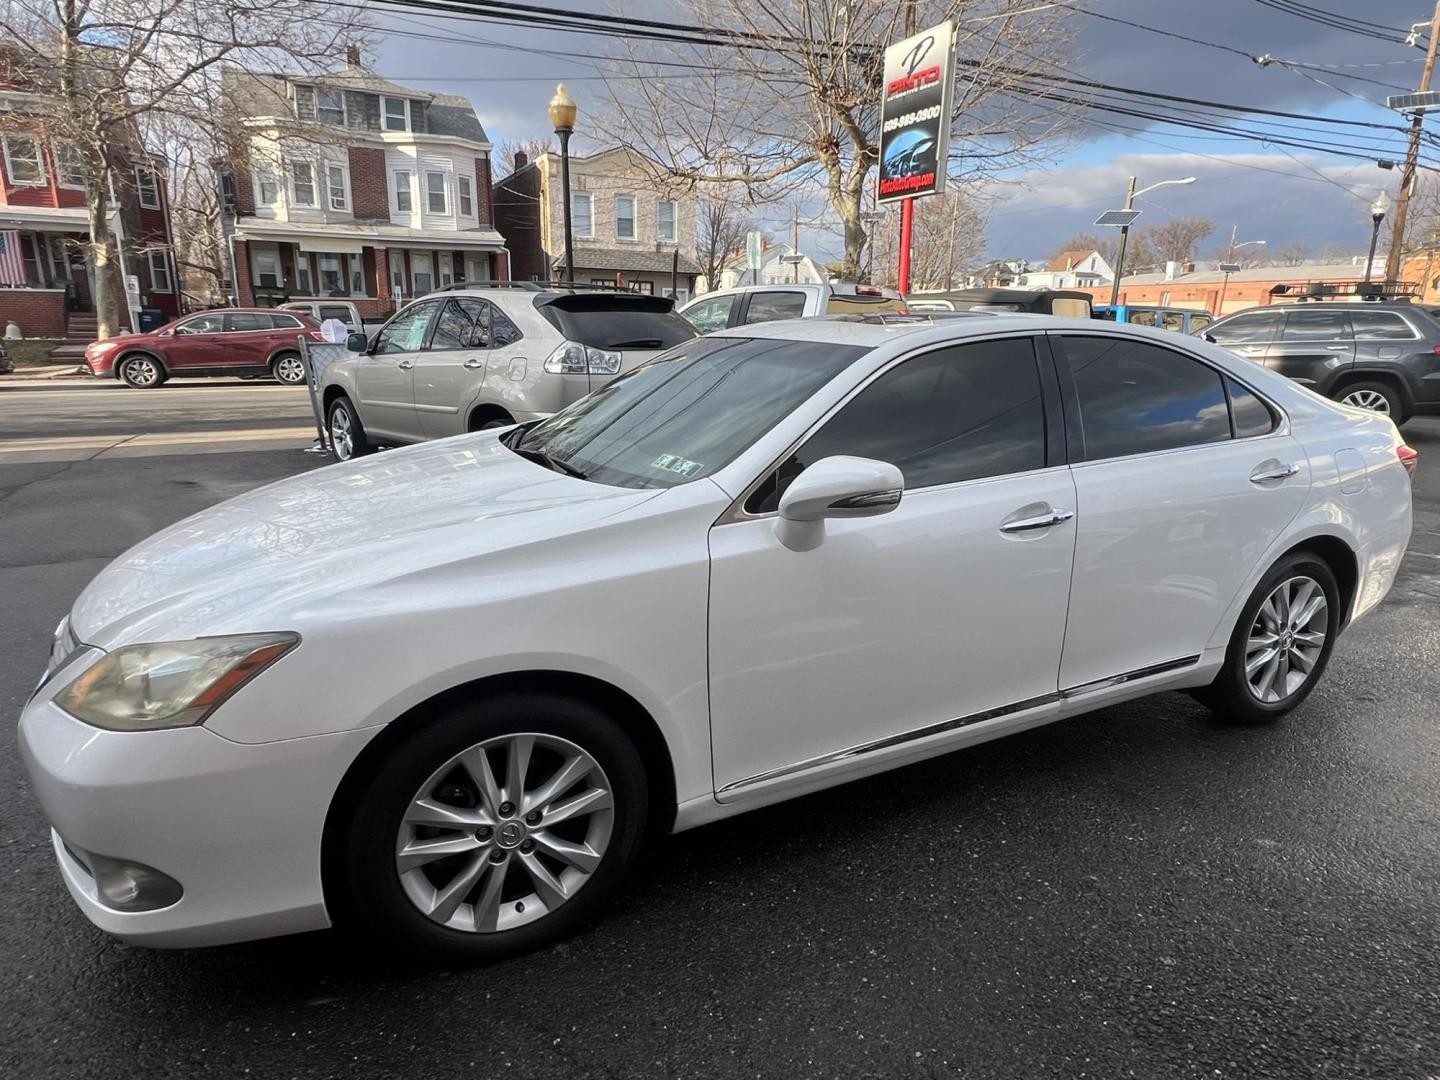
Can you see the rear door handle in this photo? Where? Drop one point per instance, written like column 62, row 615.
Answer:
column 1038, row 521
column 474, row 363
column 1276, row 472
column 1338, row 348
column 405, row 365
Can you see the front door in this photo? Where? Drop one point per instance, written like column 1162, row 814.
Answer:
column 1314, row 345
column 386, row 374
column 197, row 344
column 451, row 369
column 946, row 612
column 1179, row 494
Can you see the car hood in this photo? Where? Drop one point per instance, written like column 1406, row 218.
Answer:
column 270, row 559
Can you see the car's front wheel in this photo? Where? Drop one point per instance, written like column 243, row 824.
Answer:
column 1281, row 643
column 347, row 434
column 497, row 827
column 142, row 372
column 289, row 369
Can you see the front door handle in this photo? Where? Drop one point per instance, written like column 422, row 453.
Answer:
column 1039, row 521
column 475, row 363
column 405, row 365
column 1265, row 475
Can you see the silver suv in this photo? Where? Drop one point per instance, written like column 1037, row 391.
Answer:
column 489, row 355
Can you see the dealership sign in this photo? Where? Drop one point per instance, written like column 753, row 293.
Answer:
column 915, row 104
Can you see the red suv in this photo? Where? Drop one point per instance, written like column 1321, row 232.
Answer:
column 231, row 341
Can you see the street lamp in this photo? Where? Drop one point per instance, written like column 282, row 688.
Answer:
column 1130, row 197
column 1230, row 266
column 1377, row 215
column 562, row 117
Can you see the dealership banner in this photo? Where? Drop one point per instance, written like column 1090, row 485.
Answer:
column 915, row 103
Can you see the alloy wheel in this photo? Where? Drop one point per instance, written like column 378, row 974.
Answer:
column 289, row 369
column 504, row 833
column 142, row 372
column 1367, row 399
column 1286, row 639
column 342, row 437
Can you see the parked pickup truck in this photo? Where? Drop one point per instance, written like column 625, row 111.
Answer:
column 344, row 310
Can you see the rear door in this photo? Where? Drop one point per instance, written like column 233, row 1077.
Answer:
column 1315, row 345
column 1248, row 334
column 712, row 313
column 451, row 368
column 249, row 339
column 197, row 344
column 385, row 376
column 772, row 304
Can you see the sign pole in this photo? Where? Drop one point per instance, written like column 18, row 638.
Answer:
column 907, row 222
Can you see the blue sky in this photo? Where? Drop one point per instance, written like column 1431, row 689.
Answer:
column 1272, row 193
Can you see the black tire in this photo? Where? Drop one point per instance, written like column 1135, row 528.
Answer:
column 358, row 444
column 142, row 371
column 288, row 369
column 491, row 421
column 1231, row 695
column 1371, row 393
column 377, row 899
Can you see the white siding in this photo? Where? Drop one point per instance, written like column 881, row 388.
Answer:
column 418, row 161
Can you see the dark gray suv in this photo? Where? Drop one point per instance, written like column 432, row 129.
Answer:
column 1384, row 357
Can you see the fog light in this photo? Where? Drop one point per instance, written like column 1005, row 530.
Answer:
column 132, row 886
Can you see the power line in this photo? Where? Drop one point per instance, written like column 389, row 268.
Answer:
column 1334, row 21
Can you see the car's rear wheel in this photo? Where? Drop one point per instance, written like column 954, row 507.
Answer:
column 347, row 434
column 1377, row 397
column 497, row 827
column 142, row 372
column 1281, row 643
column 289, row 369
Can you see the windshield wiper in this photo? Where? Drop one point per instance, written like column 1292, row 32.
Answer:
column 638, row 343
column 551, row 463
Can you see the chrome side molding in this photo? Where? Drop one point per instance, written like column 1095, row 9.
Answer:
column 1131, row 676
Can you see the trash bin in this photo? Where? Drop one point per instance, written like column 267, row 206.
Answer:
column 151, row 319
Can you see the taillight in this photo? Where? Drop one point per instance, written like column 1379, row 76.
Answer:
column 1409, row 457
column 1436, row 350
column 871, row 290
column 572, row 358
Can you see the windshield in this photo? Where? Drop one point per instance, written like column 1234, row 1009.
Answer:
column 685, row 414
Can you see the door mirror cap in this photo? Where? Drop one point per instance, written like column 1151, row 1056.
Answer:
column 1205, row 335
column 836, row 487
column 355, row 342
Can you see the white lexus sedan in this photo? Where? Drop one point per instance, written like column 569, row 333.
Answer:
column 445, row 692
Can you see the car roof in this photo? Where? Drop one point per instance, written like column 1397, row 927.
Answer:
column 846, row 331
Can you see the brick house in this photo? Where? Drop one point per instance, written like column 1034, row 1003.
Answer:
column 627, row 228
column 349, row 185
column 47, row 277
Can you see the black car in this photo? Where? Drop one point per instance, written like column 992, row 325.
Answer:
column 1381, row 356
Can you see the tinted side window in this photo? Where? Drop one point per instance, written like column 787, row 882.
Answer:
column 1250, row 415
column 1316, row 324
column 1142, row 318
column 502, row 330
column 203, row 324
column 1136, row 398
column 1256, row 328
column 405, row 332
column 461, row 325
column 768, row 306
column 1172, row 320
column 334, row 311
column 241, row 321
column 1381, row 325
column 285, row 322
column 1200, row 322
column 961, row 413
column 710, row 315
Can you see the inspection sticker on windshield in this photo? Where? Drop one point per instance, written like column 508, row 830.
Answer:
column 676, row 464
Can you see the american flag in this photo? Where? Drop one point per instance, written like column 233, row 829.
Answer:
column 12, row 264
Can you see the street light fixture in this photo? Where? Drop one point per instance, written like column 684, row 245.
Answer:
column 1230, row 266
column 563, row 111
column 1130, row 197
column 1378, row 210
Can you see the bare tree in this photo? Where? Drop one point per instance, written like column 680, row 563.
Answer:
column 725, row 219
column 109, row 67
column 531, row 148
column 1289, row 254
column 948, row 242
column 794, row 105
column 1176, row 239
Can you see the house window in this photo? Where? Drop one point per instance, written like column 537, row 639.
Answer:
column 357, row 275
column 332, row 277
column 159, row 271
column 335, row 180
column 422, row 272
column 227, row 190
column 397, row 275
column 268, row 184
column 624, row 217
column 397, row 114
column 69, row 168
column 267, row 268
column 302, row 183
column 465, row 196
column 665, row 220
column 304, row 282
column 22, row 160
column 447, row 268
column 148, row 186
column 435, row 192
column 59, row 264
column 330, row 106
column 582, row 218
column 404, row 204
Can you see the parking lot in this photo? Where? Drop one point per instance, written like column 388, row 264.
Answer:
column 1138, row 892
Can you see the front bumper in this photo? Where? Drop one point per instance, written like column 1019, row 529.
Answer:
column 238, row 826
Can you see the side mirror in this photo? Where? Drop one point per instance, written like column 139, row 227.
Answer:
column 1207, row 336
column 835, row 487
column 355, row 342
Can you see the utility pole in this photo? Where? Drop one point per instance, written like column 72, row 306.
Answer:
column 1120, row 256
column 1407, row 175
column 795, row 242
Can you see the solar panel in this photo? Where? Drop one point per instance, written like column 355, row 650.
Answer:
column 1117, row 217
column 1426, row 99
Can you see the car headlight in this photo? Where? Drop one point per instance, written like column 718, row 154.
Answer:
column 102, row 346
column 169, row 684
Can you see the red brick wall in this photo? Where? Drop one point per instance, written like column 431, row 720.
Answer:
column 367, row 183
column 381, row 259
column 484, row 192
column 244, row 291
column 502, row 265
column 38, row 313
column 517, row 216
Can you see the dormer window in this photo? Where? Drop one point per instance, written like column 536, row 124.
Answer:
column 397, row 113
column 330, row 106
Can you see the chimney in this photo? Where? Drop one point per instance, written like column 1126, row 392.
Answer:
column 1171, row 268
column 352, row 57
column 521, row 160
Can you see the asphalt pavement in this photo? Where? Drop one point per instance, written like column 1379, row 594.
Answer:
column 1141, row 892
